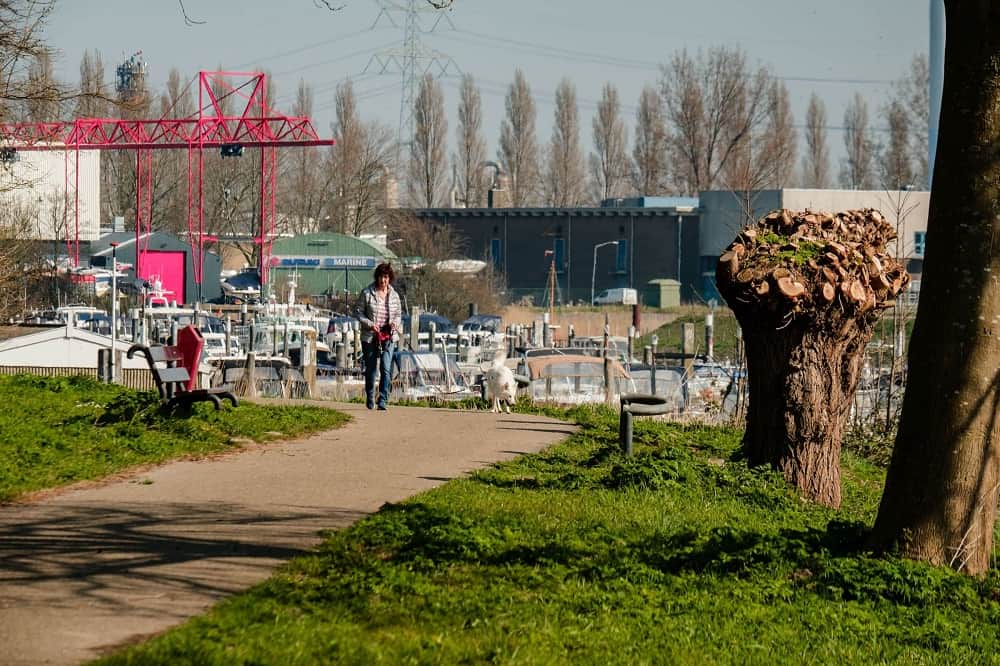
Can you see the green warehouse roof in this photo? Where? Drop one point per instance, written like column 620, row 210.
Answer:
column 326, row 263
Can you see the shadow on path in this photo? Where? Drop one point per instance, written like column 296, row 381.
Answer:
column 99, row 548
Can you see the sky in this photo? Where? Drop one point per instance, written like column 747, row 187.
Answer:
column 831, row 48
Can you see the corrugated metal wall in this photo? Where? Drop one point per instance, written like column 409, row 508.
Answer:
column 323, row 278
column 39, row 182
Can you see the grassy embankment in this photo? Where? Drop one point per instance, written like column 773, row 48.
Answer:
column 60, row 430
column 725, row 325
column 576, row 555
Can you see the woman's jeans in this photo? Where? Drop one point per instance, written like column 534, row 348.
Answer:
column 377, row 358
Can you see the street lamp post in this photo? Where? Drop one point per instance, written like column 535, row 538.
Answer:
column 114, row 308
column 593, row 274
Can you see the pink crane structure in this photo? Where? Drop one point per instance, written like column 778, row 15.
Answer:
column 255, row 126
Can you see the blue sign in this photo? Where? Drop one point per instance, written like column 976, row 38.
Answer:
column 324, row 262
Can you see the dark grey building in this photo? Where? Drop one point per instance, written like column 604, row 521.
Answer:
column 522, row 243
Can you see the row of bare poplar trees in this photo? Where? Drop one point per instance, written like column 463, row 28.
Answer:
column 715, row 121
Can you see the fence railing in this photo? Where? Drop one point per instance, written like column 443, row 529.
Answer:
column 139, row 379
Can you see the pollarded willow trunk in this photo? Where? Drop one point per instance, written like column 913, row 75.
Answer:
column 807, row 289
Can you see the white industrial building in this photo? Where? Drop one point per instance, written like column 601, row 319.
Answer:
column 40, row 190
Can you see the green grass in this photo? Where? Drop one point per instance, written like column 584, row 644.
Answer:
column 723, row 333
column 58, row 430
column 578, row 556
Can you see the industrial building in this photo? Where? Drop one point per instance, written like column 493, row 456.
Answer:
column 324, row 265
column 165, row 258
column 644, row 242
column 588, row 249
column 42, row 190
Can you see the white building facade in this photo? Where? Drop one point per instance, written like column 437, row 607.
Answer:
column 40, row 190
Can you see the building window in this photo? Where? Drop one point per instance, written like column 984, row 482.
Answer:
column 919, row 243
column 621, row 259
column 496, row 254
column 559, row 253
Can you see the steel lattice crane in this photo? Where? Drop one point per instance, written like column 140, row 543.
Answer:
column 255, row 126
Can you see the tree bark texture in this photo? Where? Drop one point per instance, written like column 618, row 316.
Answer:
column 802, row 382
column 940, row 498
column 807, row 289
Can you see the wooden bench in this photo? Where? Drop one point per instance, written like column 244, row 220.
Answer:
column 166, row 362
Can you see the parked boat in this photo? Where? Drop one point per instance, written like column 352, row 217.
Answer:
column 427, row 375
column 568, row 378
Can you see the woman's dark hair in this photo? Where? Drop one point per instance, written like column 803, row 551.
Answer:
column 385, row 269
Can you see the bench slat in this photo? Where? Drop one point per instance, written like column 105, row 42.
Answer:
column 165, row 354
column 172, row 375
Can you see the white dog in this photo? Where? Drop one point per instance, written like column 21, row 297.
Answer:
column 501, row 383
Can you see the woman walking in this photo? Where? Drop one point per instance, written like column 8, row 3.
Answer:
column 381, row 315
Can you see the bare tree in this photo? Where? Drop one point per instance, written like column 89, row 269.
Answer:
column 713, row 103
column 428, row 161
column 43, row 91
column 912, row 93
column 894, row 166
column 518, row 146
column 170, row 167
column 26, row 87
column 304, row 200
column 764, row 158
column 857, row 168
column 649, row 154
column 348, row 135
column 471, row 153
column 565, row 180
column 610, row 167
column 780, row 140
column 21, row 25
column 449, row 292
column 94, row 99
column 371, row 178
column 360, row 163
column 816, row 161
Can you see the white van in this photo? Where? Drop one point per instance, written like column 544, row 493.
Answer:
column 617, row 297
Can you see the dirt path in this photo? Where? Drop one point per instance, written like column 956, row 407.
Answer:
column 88, row 570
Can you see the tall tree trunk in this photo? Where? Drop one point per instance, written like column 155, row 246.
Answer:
column 940, row 498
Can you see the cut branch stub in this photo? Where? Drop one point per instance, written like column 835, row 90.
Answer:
column 730, row 262
column 800, row 252
column 790, row 288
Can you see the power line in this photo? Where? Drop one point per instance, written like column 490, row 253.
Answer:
column 302, row 49
column 626, row 63
column 337, row 59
